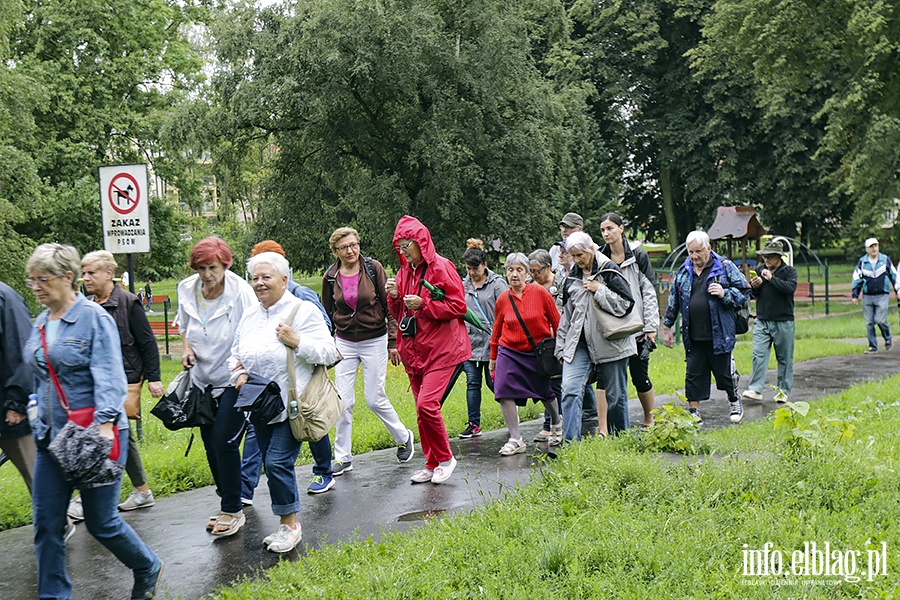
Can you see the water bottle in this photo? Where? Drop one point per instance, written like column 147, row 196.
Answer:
column 294, row 410
column 32, row 411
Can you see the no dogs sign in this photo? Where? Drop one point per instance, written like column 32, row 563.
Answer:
column 125, row 208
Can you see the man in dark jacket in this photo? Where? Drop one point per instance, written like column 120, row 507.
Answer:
column 707, row 291
column 139, row 353
column 773, row 289
column 15, row 383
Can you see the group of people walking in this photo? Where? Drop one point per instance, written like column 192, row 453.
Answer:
column 541, row 332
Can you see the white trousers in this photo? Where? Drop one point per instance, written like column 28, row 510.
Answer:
column 373, row 355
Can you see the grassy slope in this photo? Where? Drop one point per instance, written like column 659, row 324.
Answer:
column 631, row 525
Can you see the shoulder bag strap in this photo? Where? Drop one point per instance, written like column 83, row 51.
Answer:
column 521, row 322
column 292, row 375
column 60, row 394
column 487, row 321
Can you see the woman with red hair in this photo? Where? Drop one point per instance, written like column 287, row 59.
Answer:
column 210, row 305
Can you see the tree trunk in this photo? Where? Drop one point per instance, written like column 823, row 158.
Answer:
column 665, row 185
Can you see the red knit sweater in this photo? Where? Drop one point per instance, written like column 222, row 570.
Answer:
column 539, row 312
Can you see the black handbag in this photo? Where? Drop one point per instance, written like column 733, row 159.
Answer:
column 185, row 405
column 545, row 350
column 261, row 398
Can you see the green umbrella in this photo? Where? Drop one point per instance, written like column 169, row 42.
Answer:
column 438, row 294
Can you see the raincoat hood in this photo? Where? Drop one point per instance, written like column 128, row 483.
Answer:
column 411, row 228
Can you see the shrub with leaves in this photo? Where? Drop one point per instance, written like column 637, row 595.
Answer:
column 804, row 435
column 674, row 430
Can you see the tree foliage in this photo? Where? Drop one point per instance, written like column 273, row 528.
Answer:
column 435, row 109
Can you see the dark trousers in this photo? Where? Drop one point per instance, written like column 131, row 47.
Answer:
column 223, row 450
column 700, row 362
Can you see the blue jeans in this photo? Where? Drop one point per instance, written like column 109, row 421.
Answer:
column 613, row 376
column 875, row 310
column 279, row 451
column 101, row 516
column 222, row 440
column 589, row 402
column 474, row 370
column 574, row 377
column 251, row 465
column 765, row 335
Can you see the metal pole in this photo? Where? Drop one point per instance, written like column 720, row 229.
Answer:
column 131, row 272
column 166, row 323
column 826, row 288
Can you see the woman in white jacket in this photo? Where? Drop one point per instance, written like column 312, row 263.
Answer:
column 259, row 348
column 210, row 306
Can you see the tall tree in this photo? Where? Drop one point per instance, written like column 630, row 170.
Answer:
column 438, row 109
column 838, row 60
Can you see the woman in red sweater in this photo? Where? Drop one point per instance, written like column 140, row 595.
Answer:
column 433, row 342
column 513, row 361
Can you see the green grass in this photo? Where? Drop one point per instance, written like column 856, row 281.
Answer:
column 607, row 521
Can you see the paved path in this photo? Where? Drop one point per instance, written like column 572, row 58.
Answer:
column 376, row 496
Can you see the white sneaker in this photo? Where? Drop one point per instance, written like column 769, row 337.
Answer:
column 284, row 539
column 422, row 476
column 138, row 499
column 76, row 510
column 443, row 472
column 514, row 446
column 751, row 395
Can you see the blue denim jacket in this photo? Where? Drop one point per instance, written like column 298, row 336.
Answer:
column 722, row 310
column 87, row 358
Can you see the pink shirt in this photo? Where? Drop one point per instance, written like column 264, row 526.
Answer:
column 350, row 288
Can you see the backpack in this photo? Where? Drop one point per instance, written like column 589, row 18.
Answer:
column 369, row 269
column 742, row 318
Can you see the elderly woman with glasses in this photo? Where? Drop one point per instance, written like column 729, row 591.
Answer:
column 580, row 343
column 525, row 311
column 76, row 343
column 366, row 334
column 279, row 320
column 433, row 342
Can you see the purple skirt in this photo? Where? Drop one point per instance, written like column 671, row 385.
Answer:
column 517, row 378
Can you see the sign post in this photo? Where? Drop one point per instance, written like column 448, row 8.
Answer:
column 125, row 210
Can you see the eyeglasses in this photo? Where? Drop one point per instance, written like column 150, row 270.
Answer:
column 537, row 271
column 41, row 281
column 405, row 246
column 345, row 247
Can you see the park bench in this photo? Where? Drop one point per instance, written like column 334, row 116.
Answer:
column 806, row 291
column 159, row 328
column 158, row 299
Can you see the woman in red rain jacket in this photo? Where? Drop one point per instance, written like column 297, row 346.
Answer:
column 433, row 342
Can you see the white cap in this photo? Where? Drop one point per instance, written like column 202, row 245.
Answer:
column 871, row 241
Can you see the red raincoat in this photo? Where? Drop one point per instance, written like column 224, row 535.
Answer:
column 441, row 340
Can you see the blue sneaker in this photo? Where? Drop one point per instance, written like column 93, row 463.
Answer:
column 320, row 484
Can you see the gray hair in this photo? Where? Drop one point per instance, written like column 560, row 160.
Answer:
column 516, row 258
column 580, row 240
column 56, row 259
column 273, row 259
column 541, row 257
column 701, row 237
column 101, row 258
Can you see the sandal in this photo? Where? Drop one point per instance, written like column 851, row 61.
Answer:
column 645, row 428
column 211, row 522
column 228, row 523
